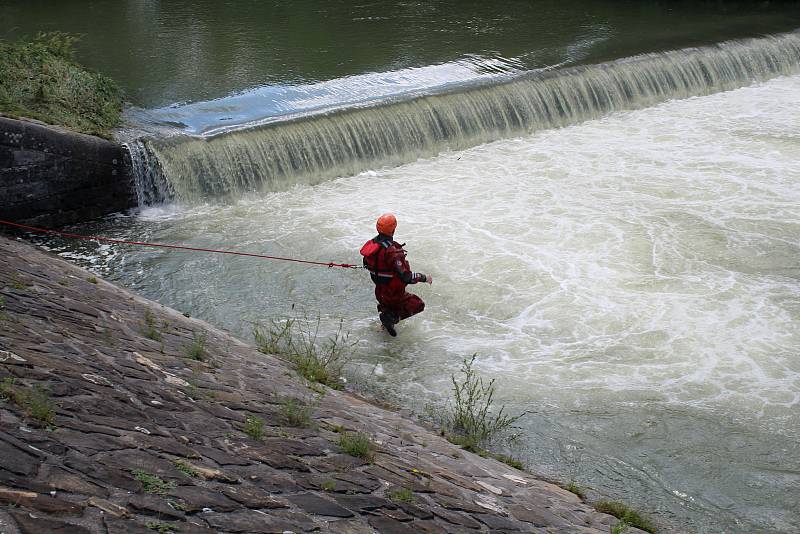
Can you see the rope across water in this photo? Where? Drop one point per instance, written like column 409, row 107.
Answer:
column 178, row 247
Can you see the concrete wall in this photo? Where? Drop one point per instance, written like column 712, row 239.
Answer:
column 52, row 177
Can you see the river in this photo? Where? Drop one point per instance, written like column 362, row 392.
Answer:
column 617, row 240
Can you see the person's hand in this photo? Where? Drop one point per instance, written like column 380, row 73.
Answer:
column 429, row 278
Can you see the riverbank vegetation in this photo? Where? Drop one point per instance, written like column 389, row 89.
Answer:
column 41, row 80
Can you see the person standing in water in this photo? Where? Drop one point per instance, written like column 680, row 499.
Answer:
column 386, row 262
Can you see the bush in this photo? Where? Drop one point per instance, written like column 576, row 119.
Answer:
column 41, row 80
column 470, row 422
column 196, row 350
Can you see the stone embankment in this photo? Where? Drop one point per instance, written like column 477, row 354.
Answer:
column 119, row 415
column 51, row 176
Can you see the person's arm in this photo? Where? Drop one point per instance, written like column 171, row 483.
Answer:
column 406, row 276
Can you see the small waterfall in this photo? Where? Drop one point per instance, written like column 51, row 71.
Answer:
column 314, row 148
column 152, row 187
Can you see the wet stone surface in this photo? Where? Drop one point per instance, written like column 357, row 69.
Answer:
column 129, row 435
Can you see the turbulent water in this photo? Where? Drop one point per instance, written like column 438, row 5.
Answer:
column 632, row 281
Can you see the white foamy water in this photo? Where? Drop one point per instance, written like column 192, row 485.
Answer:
column 633, row 281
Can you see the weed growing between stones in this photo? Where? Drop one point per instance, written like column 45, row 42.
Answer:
column 254, row 427
column 329, row 485
column 316, row 360
column 3, row 315
column 626, row 515
column 185, row 469
column 35, row 401
column 573, row 488
column 471, row 416
column 197, row 349
column 403, row 495
column 297, row 413
column 152, row 483
column 16, row 284
column 149, row 327
column 92, row 279
column 619, row 528
column 162, row 528
column 357, row 444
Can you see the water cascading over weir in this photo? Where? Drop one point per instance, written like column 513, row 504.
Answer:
column 316, row 147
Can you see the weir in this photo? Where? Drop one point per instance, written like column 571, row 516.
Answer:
column 316, row 147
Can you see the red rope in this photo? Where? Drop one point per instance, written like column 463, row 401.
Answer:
column 161, row 245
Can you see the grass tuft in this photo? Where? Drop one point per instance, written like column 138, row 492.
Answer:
column 297, row 413
column 152, row 483
column 316, row 360
column 162, row 528
column 573, row 488
column 35, row 401
column 403, row 495
column 42, row 81
column 357, row 444
column 184, row 468
column 196, row 350
column 254, row 427
column 625, row 514
column 149, row 327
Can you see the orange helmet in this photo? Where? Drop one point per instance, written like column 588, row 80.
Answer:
column 386, row 224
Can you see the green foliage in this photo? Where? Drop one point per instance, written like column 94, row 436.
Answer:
column 41, row 80
column 573, row 488
column 320, row 361
column 92, row 279
column 149, row 327
column 356, row 444
column 625, row 515
column 295, row 412
column 197, row 349
column 184, row 468
column 7, row 388
column 508, row 460
column 35, row 401
column 619, row 528
column 403, row 495
column 471, row 416
column 254, row 427
column 329, row 485
column 162, row 528
column 152, row 483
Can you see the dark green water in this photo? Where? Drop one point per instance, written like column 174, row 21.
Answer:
column 179, row 51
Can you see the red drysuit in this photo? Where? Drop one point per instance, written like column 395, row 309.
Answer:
column 386, row 262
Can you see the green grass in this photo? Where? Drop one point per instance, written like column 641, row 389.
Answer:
column 34, row 401
column 41, row 80
column 317, row 360
column 162, row 528
column 149, row 327
column 297, row 413
column 152, row 483
column 402, row 495
column 619, row 528
column 573, row 488
column 329, row 485
column 196, row 350
column 357, row 444
column 92, row 279
column 254, row 427
column 625, row 515
column 185, row 469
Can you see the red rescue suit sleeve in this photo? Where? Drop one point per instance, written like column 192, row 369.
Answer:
column 397, row 258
